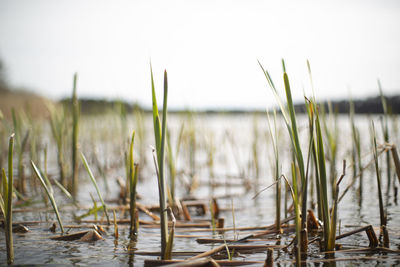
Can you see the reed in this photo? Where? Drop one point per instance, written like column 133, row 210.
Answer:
column 356, row 152
column 75, row 132
column 6, row 201
column 291, row 124
column 385, row 131
column 57, row 126
column 328, row 214
column 160, row 136
column 172, row 161
column 191, row 150
column 34, row 147
column 210, row 162
column 329, row 218
column 331, row 132
column 89, row 171
column 382, row 211
column 49, row 191
column 172, row 170
column 300, row 170
column 274, row 138
column 255, row 152
column 133, row 171
column 141, row 136
column 116, row 234
column 20, row 146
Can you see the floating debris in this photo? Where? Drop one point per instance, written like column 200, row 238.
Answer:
column 84, row 236
column 20, row 229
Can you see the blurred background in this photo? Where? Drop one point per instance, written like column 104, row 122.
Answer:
column 209, row 48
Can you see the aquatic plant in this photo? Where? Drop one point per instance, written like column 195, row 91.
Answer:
column 21, row 141
column 274, row 137
column 49, row 191
column 89, row 171
column 382, row 212
column 133, row 171
column 172, row 171
column 57, row 119
column 289, row 117
column 385, row 131
column 160, row 136
column 75, row 132
column 331, row 131
column 6, row 201
column 356, row 152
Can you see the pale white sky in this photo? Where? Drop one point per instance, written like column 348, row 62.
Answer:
column 209, row 48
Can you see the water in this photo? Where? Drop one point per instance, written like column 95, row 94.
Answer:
column 231, row 138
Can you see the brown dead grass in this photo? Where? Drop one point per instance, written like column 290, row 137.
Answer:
column 30, row 103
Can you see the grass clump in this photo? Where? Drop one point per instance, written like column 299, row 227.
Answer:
column 160, row 140
column 298, row 167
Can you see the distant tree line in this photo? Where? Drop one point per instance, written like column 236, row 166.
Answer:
column 372, row 105
column 99, row 106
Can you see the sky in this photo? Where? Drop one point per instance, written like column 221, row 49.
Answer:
column 209, row 49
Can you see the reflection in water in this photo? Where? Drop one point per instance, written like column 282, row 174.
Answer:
column 130, row 249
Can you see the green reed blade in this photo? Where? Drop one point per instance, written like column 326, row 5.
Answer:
column 63, row 189
column 89, row 171
column 332, row 230
column 160, row 136
column 297, row 213
column 156, row 117
column 133, row 170
column 171, row 235
column 385, row 131
column 4, row 192
column 8, row 214
column 75, row 131
column 172, row 168
column 323, row 181
column 163, row 211
column 57, row 126
column 294, row 131
column 274, row 138
column 277, row 97
column 39, row 175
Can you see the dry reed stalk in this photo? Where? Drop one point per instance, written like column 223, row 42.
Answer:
column 396, row 160
column 269, row 261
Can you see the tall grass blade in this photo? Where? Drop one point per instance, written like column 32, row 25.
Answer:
column 385, row 131
column 291, row 124
column 156, row 117
column 160, row 136
column 323, row 182
column 274, row 138
column 58, row 130
column 171, row 168
column 89, row 171
column 8, row 202
column 378, row 176
column 170, row 242
column 75, row 130
column 4, row 193
column 133, row 171
column 42, row 180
